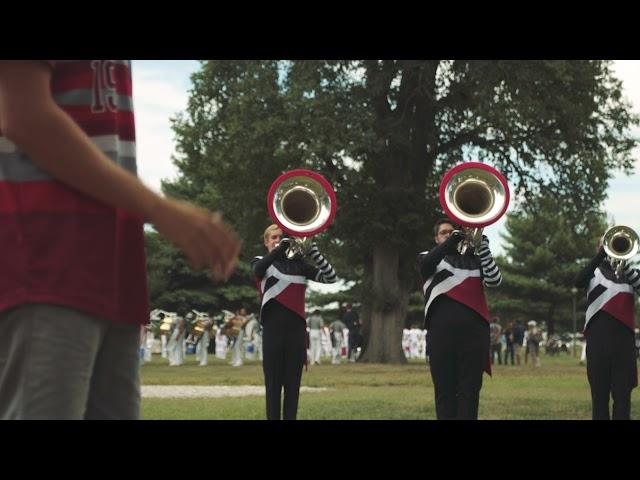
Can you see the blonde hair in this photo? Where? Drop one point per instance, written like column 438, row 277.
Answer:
column 270, row 229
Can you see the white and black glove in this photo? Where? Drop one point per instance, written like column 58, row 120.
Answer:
column 490, row 271
column 632, row 275
column 326, row 274
column 313, row 250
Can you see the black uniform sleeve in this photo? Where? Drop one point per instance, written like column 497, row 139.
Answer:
column 582, row 280
column 309, row 271
column 260, row 265
column 427, row 262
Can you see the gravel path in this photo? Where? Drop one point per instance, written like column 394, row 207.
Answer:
column 200, row 391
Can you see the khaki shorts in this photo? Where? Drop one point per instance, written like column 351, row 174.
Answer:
column 61, row 363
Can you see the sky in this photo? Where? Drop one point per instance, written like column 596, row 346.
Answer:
column 160, row 91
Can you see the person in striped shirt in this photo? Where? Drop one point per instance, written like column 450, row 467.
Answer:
column 457, row 319
column 609, row 334
column 73, row 290
column 282, row 285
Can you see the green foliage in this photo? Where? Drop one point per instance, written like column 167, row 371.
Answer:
column 384, row 132
column 174, row 287
column 545, row 251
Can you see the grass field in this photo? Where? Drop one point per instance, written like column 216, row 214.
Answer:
column 556, row 391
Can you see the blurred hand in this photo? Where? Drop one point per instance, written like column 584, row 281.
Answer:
column 202, row 235
column 284, row 244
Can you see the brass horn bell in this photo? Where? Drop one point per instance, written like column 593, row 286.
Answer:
column 474, row 195
column 303, row 204
column 620, row 244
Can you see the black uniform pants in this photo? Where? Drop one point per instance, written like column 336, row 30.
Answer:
column 354, row 343
column 284, row 351
column 459, row 351
column 611, row 366
column 497, row 349
column 509, row 353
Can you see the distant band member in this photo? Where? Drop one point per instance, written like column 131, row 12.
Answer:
column 175, row 347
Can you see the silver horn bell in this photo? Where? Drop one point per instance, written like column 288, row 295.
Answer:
column 474, row 195
column 303, row 204
column 620, row 244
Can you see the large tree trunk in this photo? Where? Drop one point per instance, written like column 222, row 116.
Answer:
column 386, row 309
column 409, row 134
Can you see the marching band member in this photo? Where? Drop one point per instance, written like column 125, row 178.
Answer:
column 221, row 344
column 609, row 335
column 282, row 284
column 457, row 319
column 202, row 345
column 175, row 346
column 234, row 329
column 254, row 336
column 148, row 343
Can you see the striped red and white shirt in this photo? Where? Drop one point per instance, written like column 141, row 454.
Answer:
column 60, row 246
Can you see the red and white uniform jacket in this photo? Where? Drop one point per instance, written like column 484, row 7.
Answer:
column 285, row 280
column 613, row 295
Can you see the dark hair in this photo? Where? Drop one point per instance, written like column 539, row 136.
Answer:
column 442, row 220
